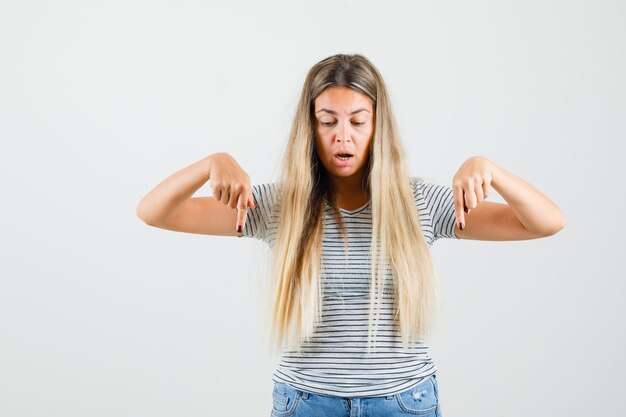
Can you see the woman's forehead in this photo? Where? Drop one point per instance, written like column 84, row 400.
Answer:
column 342, row 100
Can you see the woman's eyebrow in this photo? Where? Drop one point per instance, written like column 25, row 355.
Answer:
column 334, row 112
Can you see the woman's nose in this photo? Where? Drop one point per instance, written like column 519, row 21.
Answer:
column 342, row 134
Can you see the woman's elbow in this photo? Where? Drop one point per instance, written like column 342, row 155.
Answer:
column 141, row 212
column 556, row 226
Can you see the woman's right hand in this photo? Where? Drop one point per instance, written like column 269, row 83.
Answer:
column 231, row 186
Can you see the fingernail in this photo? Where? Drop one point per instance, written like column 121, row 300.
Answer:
column 461, row 225
column 239, row 229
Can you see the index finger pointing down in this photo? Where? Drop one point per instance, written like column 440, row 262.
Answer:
column 458, row 206
column 242, row 211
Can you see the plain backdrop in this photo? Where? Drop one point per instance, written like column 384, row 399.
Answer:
column 102, row 315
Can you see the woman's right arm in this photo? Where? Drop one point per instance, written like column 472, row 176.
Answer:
column 170, row 206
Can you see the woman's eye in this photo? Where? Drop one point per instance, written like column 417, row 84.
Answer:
column 332, row 123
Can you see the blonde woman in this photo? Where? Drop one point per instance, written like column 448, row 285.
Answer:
column 354, row 290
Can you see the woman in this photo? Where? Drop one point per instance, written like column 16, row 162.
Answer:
column 354, row 288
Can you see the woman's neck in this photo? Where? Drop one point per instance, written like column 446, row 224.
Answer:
column 349, row 193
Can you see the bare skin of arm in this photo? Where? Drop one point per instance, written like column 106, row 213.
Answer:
column 528, row 214
column 170, row 204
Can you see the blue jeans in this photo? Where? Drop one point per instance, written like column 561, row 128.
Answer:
column 420, row 400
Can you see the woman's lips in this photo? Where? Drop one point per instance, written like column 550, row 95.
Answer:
column 342, row 162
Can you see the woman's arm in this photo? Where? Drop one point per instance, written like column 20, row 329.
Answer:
column 529, row 214
column 170, row 206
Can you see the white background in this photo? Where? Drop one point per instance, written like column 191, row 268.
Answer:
column 102, row 315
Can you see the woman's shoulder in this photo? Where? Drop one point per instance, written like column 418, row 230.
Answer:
column 267, row 195
column 430, row 190
column 264, row 188
column 423, row 181
column 417, row 182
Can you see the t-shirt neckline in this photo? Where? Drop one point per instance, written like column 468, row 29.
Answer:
column 355, row 210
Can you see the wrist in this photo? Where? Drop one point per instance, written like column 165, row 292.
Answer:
column 208, row 163
column 496, row 174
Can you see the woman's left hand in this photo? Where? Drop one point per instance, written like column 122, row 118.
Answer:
column 471, row 185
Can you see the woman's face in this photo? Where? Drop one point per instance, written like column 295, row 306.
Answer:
column 344, row 124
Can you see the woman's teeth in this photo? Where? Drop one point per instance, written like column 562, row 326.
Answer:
column 343, row 158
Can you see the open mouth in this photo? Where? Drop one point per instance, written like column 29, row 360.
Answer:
column 343, row 156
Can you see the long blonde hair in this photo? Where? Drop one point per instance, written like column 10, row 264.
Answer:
column 398, row 244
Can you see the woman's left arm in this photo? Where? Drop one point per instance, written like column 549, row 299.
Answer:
column 529, row 214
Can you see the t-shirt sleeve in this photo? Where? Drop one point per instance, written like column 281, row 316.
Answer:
column 439, row 202
column 259, row 220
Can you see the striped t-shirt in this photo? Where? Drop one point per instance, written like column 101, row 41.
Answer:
column 335, row 360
